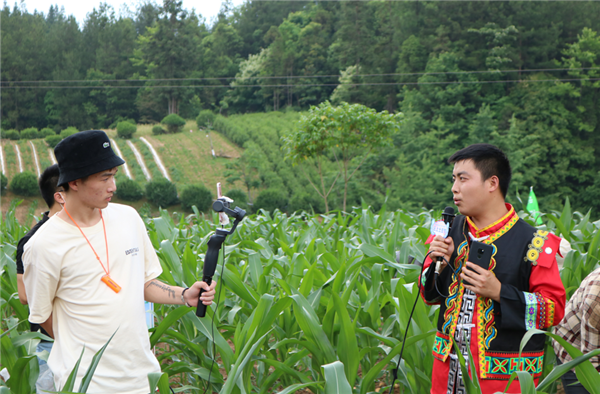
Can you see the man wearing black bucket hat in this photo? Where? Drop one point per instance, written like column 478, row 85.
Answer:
column 94, row 267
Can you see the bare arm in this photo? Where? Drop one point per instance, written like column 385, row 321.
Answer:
column 47, row 325
column 21, row 289
column 162, row 293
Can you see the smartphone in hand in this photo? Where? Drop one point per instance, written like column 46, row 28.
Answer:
column 480, row 254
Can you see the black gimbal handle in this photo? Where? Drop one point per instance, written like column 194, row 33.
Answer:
column 210, row 265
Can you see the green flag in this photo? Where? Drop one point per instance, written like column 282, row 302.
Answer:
column 533, row 207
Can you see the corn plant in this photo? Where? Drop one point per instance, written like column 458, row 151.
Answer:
column 308, row 302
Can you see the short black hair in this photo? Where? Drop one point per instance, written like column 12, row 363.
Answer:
column 489, row 160
column 48, row 184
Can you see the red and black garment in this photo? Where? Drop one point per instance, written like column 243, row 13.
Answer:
column 532, row 296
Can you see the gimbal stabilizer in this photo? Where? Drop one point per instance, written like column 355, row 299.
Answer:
column 214, row 245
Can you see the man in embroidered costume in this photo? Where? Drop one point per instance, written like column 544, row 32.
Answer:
column 89, row 269
column 521, row 290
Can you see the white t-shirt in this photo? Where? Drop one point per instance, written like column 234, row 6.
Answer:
column 63, row 277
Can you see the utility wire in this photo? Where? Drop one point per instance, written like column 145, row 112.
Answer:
column 300, row 85
column 304, row 76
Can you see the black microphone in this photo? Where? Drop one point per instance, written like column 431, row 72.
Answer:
column 444, row 230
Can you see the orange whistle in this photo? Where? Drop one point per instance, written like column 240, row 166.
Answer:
column 111, row 283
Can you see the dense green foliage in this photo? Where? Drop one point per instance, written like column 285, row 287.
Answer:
column 173, row 122
column 53, row 140
column 126, row 129
column 161, row 192
column 11, row 134
column 307, row 301
column 30, row 133
column 522, row 75
column 157, row 130
column 129, row 190
column 205, row 118
column 46, row 131
column 24, row 184
column 3, row 183
column 270, row 200
column 68, row 132
column 196, row 195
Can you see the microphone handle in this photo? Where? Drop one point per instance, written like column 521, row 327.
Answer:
column 201, row 308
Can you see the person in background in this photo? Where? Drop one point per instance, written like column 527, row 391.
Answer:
column 581, row 328
column 521, row 289
column 51, row 195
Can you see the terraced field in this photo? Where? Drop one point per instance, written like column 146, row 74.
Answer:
column 186, row 157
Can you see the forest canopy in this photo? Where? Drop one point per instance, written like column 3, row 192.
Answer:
column 522, row 75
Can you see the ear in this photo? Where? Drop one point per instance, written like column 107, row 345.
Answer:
column 74, row 185
column 58, row 197
column 493, row 184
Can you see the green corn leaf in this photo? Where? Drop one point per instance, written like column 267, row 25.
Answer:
column 159, row 380
column 204, row 326
column 336, row 381
column 295, row 387
column 371, row 375
column 585, row 371
column 172, row 260
column 347, row 346
column 309, row 323
column 234, row 283
column 70, row 383
column 167, row 322
column 87, row 378
column 16, row 382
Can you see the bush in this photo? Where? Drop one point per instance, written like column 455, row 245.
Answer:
column 156, row 130
column 161, row 192
column 68, row 131
column 53, row 140
column 25, row 184
column 3, row 183
column 11, row 134
column 173, row 122
column 129, row 190
column 271, row 199
column 46, row 131
column 30, row 134
column 197, row 195
column 126, row 129
column 205, row 118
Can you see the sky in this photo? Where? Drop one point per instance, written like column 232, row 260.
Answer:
column 79, row 8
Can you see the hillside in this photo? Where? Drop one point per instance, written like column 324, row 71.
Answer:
column 186, row 157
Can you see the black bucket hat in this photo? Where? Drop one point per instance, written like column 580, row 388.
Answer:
column 83, row 154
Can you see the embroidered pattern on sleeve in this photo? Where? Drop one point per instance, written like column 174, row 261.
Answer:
column 539, row 311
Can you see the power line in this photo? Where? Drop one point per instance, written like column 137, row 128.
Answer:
column 305, row 76
column 302, row 85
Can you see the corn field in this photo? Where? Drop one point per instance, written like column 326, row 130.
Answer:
column 308, row 303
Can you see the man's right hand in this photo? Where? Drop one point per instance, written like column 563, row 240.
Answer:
column 441, row 246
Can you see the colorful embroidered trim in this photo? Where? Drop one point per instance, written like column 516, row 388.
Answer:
column 503, row 230
column 535, row 247
column 510, row 212
column 455, row 293
column 531, row 310
column 441, row 346
column 498, row 366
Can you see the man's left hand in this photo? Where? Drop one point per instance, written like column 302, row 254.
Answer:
column 482, row 282
column 191, row 296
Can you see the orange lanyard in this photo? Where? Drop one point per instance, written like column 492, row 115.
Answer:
column 107, row 269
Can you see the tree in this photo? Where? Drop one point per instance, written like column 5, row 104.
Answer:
column 246, row 169
column 161, row 192
column 348, row 132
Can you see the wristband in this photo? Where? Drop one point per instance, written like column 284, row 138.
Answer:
column 182, row 299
